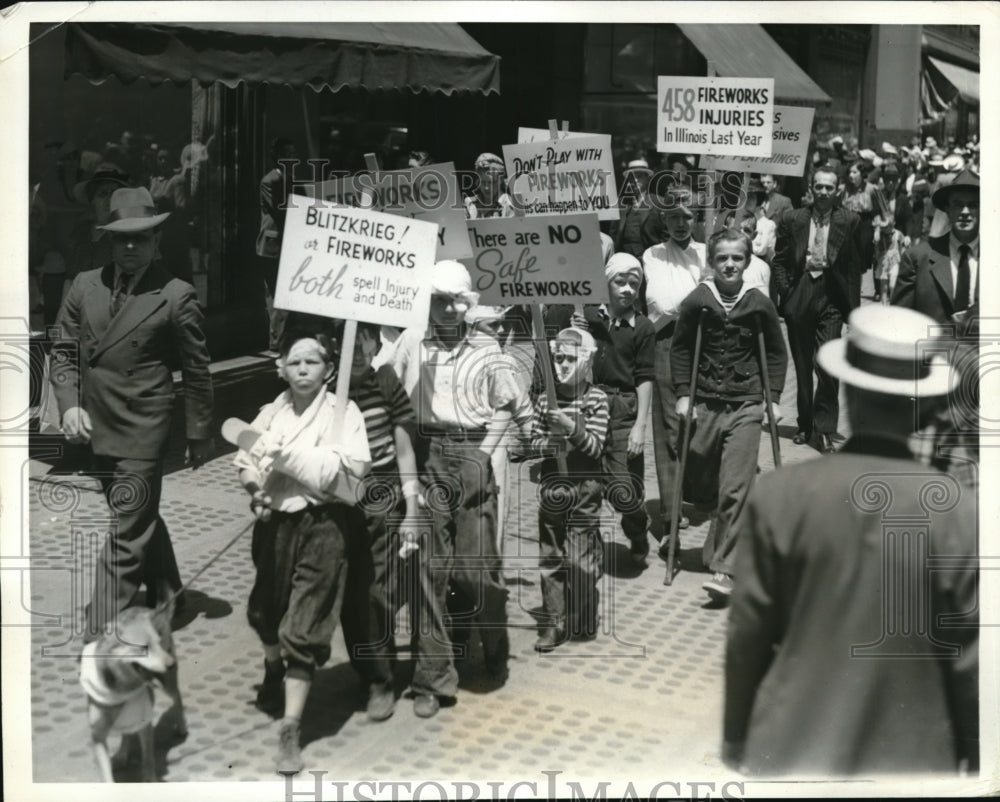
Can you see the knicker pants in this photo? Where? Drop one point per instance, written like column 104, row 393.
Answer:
column 301, row 561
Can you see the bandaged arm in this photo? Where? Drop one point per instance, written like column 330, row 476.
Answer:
column 317, row 466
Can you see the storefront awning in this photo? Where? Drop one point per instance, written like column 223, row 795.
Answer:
column 748, row 51
column 433, row 57
column 964, row 82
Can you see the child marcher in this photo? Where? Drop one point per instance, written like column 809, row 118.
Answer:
column 623, row 369
column 303, row 476
column 569, row 510
column 728, row 391
column 464, row 394
column 387, row 506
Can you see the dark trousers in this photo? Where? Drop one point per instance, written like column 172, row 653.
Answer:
column 666, row 426
column 301, row 562
column 625, row 486
column 570, row 552
column 723, row 450
column 137, row 550
column 812, row 321
column 369, row 608
column 462, row 504
column 275, row 317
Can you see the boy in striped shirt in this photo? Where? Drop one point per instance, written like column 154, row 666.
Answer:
column 388, row 507
column 569, row 540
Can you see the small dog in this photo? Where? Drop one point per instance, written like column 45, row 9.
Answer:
column 117, row 672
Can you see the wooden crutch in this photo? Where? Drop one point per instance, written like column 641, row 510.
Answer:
column 675, row 507
column 766, row 386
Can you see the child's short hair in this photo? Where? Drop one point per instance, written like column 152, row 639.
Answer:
column 328, row 346
column 728, row 235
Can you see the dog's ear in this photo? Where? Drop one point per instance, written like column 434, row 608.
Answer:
column 164, row 611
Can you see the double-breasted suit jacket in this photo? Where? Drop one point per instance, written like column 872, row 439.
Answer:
column 121, row 375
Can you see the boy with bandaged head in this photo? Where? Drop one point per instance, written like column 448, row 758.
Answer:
column 569, row 540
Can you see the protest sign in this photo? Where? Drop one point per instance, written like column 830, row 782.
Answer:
column 353, row 191
column 355, row 264
column 564, row 176
column 713, row 115
column 544, row 135
column 541, row 259
column 790, row 141
column 427, row 193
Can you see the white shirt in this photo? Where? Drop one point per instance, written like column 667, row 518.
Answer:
column 671, row 274
column 757, row 274
column 954, row 245
column 765, row 238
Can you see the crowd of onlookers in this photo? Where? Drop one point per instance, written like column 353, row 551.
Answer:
column 63, row 244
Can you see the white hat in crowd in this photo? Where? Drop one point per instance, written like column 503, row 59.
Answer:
column 888, row 349
column 452, row 278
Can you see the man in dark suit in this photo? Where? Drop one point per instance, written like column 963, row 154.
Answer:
column 817, row 273
column 940, row 276
column 775, row 204
column 131, row 321
column 848, row 652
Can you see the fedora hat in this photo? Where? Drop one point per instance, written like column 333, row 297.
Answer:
column 133, row 210
column 964, row 180
column 104, row 172
column 888, row 350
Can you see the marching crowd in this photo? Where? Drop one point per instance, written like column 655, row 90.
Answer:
column 691, row 339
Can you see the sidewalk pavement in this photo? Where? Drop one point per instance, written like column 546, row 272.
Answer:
column 644, row 700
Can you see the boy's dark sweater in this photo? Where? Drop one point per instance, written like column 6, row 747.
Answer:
column 729, row 367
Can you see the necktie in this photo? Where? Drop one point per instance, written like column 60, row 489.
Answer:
column 963, row 280
column 121, row 293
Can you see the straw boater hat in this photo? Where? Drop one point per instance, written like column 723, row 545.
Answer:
column 104, row 172
column 953, row 163
column 641, row 165
column 882, row 353
column 964, row 180
column 133, row 210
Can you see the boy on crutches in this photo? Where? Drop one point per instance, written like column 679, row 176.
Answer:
column 728, row 390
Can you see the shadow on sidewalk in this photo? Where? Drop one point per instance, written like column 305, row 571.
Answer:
column 337, row 693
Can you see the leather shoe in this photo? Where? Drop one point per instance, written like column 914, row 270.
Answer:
column 826, row 445
column 426, row 705
column 549, row 639
column 381, row 703
column 800, row 439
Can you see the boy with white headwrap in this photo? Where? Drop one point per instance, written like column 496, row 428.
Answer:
column 623, row 368
column 569, row 539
